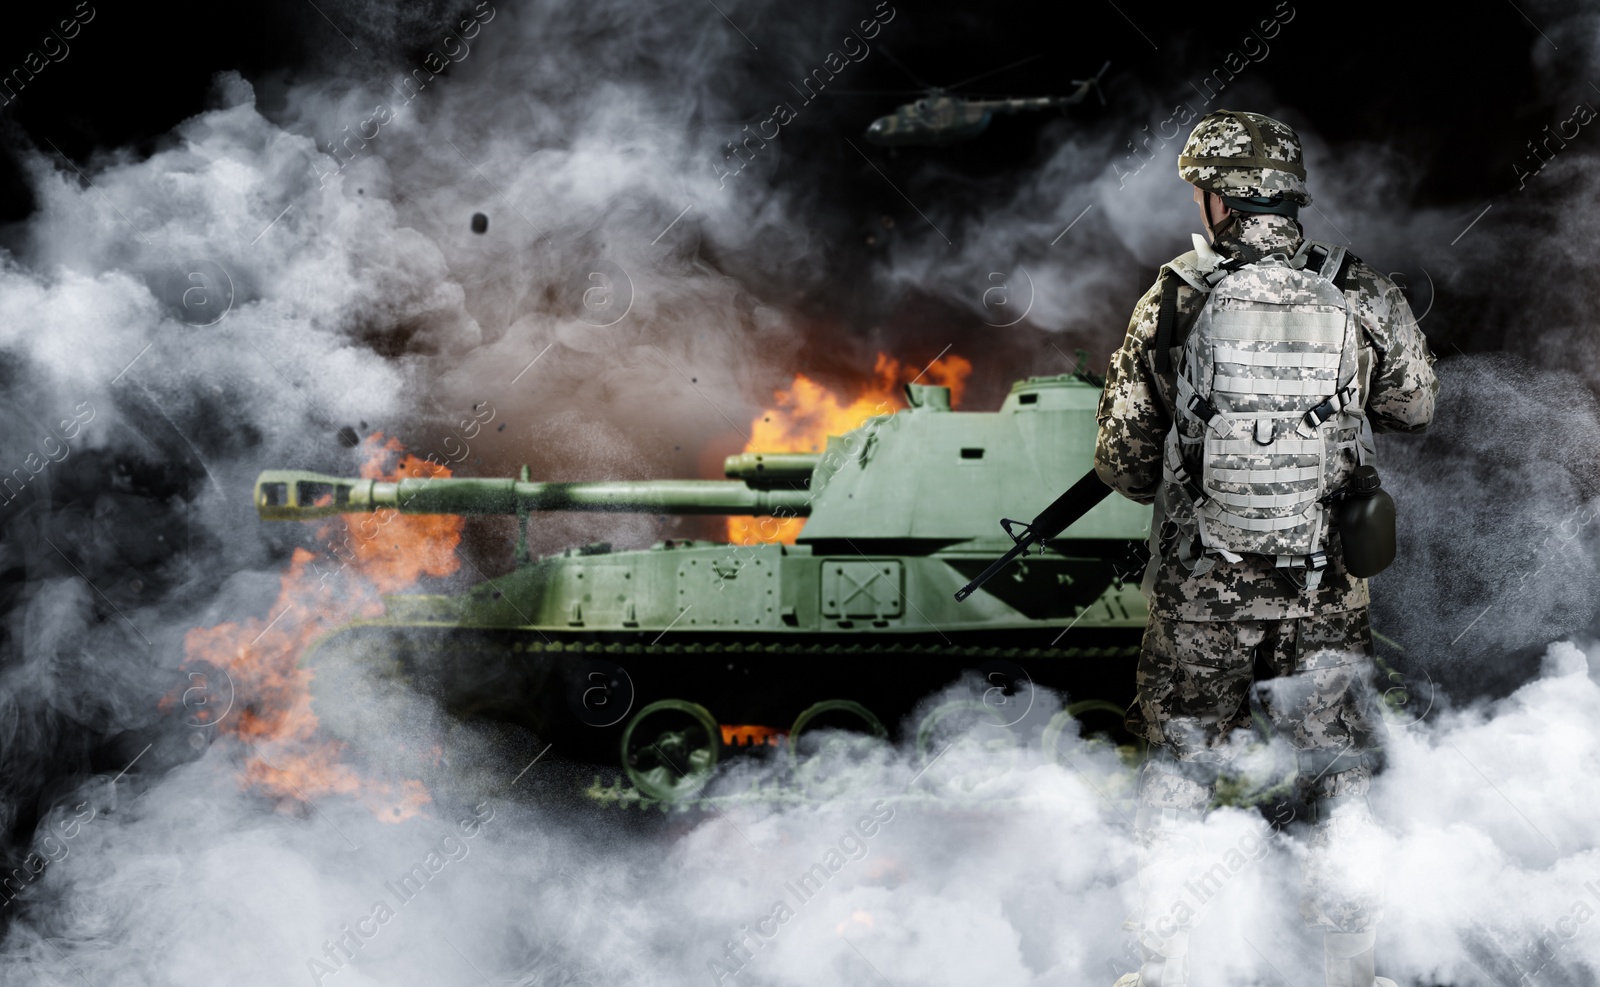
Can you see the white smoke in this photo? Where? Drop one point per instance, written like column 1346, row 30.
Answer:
column 1003, row 865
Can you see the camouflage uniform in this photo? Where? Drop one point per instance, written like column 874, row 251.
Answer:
column 1136, row 411
column 1214, row 636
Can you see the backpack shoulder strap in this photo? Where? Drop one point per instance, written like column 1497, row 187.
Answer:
column 1167, row 316
column 1328, row 260
column 1201, row 269
column 1341, row 278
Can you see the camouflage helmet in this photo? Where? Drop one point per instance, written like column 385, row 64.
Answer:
column 1248, row 155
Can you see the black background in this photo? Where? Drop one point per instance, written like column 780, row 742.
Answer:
column 1456, row 94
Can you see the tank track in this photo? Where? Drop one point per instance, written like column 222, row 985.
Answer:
column 522, row 682
column 614, row 649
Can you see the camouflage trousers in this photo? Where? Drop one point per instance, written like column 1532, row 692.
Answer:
column 1311, row 678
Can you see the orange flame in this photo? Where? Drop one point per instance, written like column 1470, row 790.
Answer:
column 806, row 413
column 860, row 917
column 746, row 735
column 367, row 555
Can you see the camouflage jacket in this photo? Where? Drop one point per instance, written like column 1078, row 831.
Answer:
column 1136, row 411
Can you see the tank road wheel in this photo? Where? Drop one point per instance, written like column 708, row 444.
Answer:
column 834, row 714
column 963, row 730
column 1103, row 718
column 836, row 734
column 669, row 749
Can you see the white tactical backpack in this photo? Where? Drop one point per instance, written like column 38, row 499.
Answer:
column 1271, row 395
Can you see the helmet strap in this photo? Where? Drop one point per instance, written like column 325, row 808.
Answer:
column 1275, row 205
column 1222, row 225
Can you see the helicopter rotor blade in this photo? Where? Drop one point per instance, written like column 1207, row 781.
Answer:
column 985, row 75
column 1095, row 83
column 902, row 67
column 1081, row 93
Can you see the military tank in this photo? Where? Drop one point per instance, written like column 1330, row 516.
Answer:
column 660, row 661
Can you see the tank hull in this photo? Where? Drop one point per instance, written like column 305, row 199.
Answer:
column 545, row 682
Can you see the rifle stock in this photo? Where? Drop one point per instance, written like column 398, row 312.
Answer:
column 1062, row 513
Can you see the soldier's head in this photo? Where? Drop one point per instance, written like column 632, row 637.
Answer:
column 1242, row 162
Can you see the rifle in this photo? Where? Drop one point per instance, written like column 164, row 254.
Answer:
column 1079, row 500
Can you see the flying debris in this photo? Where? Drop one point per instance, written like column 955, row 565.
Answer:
column 939, row 118
column 480, row 223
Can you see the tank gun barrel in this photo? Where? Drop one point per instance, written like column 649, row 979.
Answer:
column 771, row 467
column 295, row 495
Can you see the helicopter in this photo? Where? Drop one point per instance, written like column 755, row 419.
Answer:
column 939, row 118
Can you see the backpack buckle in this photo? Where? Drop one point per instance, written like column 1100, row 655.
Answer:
column 1201, row 408
column 1347, row 395
column 1187, row 483
column 1322, row 412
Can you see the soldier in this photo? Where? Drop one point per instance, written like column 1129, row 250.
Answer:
column 1239, row 440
